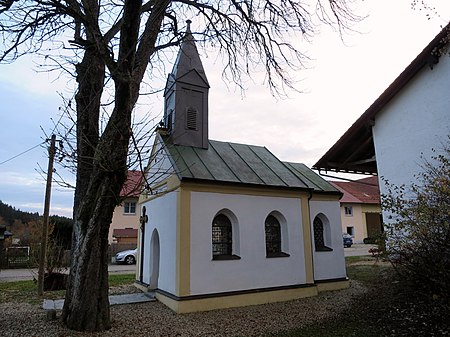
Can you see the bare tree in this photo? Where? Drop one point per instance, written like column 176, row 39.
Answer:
column 116, row 42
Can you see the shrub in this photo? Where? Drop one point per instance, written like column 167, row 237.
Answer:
column 418, row 230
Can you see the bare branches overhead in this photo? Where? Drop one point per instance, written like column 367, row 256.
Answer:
column 262, row 34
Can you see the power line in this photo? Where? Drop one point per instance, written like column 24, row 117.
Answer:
column 22, row 153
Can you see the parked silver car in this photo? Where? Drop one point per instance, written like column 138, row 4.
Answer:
column 126, row 257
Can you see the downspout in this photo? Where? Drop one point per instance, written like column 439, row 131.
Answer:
column 311, row 232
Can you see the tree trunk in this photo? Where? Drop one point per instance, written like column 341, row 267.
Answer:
column 86, row 305
column 101, row 172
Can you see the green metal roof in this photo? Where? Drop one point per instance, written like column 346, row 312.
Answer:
column 242, row 164
column 312, row 179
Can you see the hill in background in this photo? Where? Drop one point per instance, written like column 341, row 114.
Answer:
column 26, row 226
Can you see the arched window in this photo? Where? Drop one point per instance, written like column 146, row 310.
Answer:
column 222, row 236
column 273, row 237
column 319, row 234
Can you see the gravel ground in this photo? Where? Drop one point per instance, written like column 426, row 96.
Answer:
column 155, row 319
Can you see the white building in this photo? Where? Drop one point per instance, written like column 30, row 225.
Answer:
column 227, row 224
column 403, row 126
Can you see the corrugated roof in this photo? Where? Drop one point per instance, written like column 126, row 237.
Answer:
column 362, row 191
column 243, row 164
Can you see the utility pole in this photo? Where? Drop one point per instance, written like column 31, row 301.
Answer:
column 48, row 190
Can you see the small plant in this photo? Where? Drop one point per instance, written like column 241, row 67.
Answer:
column 375, row 251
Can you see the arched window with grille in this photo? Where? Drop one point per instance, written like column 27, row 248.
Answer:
column 321, row 232
column 273, row 232
column 222, row 238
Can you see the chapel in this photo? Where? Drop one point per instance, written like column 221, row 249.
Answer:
column 226, row 224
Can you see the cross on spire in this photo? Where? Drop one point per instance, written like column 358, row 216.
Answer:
column 188, row 26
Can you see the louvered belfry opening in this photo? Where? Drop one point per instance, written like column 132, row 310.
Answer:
column 191, row 118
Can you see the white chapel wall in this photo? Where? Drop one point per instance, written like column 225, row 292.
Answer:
column 253, row 270
column 329, row 264
column 162, row 216
column 414, row 122
column 160, row 167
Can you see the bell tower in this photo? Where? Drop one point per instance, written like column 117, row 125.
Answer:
column 186, row 97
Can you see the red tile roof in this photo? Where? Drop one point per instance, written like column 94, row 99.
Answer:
column 125, row 233
column 133, row 185
column 362, row 191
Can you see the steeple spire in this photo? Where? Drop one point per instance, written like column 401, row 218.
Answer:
column 188, row 58
column 186, row 96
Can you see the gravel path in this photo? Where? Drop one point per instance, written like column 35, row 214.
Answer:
column 155, row 319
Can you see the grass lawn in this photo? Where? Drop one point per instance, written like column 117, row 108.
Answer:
column 26, row 291
column 389, row 308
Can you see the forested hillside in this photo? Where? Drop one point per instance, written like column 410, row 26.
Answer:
column 26, row 226
column 9, row 214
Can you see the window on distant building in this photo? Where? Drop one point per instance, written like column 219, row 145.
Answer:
column 129, row 208
column 348, row 210
column 222, row 238
column 351, row 230
column 322, row 233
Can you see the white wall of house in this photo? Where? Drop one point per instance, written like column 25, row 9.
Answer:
column 162, row 216
column 253, row 270
column 328, row 264
column 413, row 123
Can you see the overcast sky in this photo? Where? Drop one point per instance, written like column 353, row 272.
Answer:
column 340, row 84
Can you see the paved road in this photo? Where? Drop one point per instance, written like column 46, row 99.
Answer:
column 358, row 249
column 7, row 275
column 28, row 274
